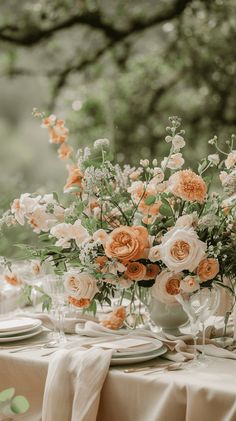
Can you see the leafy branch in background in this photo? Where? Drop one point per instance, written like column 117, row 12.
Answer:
column 11, row 404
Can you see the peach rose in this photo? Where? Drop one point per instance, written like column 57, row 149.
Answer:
column 100, row 235
column 74, row 179
column 188, row 185
column 127, row 243
column 208, row 269
column 115, row 320
column 151, row 271
column 149, row 209
column 135, row 271
column 81, row 303
column 65, row 151
column 80, row 284
column 166, row 286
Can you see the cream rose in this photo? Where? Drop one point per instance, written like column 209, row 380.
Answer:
column 80, row 285
column 66, row 232
column 166, row 286
column 181, row 249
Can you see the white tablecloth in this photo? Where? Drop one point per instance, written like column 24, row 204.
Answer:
column 203, row 393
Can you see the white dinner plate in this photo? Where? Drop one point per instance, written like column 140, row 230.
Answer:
column 139, row 358
column 19, row 324
column 152, row 346
column 23, row 336
column 21, row 331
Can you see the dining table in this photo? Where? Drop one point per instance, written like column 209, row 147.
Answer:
column 204, row 392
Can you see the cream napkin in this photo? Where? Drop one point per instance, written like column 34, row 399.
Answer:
column 74, row 383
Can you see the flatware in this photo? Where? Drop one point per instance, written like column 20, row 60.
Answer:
column 149, row 367
column 172, row 367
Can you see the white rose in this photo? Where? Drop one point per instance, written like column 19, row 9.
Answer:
column 66, row 232
column 178, row 142
column 23, row 206
column 80, row 285
column 189, row 284
column 79, row 233
column 154, row 254
column 181, row 249
column 166, row 287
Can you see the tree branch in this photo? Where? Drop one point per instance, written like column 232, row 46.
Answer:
column 34, row 35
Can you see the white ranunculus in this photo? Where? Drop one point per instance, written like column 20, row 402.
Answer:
column 181, row 249
column 166, row 287
column 80, row 284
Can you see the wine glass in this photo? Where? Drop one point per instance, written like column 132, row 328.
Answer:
column 53, row 285
column 199, row 306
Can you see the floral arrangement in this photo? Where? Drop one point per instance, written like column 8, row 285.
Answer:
column 155, row 226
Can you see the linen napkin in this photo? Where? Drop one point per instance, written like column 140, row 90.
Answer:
column 74, row 383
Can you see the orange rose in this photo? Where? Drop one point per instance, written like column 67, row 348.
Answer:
column 208, row 269
column 180, row 250
column 188, row 185
column 81, row 303
column 135, row 271
column 127, row 243
column 74, row 179
column 152, row 271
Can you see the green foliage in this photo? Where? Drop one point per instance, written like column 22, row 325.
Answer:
column 10, row 404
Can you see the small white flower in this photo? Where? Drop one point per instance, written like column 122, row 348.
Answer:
column 99, row 143
column 144, row 162
column 214, row 158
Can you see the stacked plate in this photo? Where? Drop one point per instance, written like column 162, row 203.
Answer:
column 133, row 350
column 19, row 328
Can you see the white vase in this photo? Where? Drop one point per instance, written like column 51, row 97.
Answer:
column 168, row 317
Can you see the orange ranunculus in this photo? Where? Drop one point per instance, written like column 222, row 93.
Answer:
column 152, row 271
column 101, row 260
column 188, row 185
column 81, row 303
column 135, row 271
column 65, row 151
column 208, row 269
column 115, row 320
column 127, row 243
column 74, row 179
column 58, row 133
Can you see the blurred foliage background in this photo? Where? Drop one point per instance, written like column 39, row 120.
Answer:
column 114, row 69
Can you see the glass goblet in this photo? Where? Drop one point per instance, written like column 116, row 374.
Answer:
column 53, row 285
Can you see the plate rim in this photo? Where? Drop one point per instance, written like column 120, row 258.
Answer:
column 140, row 358
column 25, row 330
column 141, row 352
column 21, row 329
column 19, row 338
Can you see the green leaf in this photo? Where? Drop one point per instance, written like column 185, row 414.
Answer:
column 19, row 405
column 150, row 200
column 7, row 394
column 55, row 196
column 166, row 210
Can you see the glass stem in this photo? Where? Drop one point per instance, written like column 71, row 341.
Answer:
column 203, row 339
column 195, row 347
